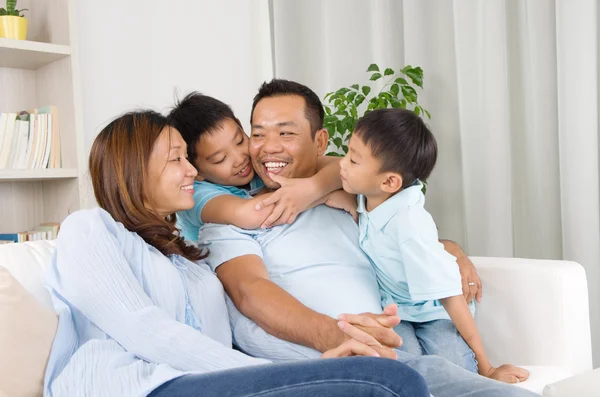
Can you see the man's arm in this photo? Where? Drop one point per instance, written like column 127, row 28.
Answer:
column 471, row 284
column 280, row 314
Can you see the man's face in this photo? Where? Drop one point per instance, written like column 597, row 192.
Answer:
column 281, row 141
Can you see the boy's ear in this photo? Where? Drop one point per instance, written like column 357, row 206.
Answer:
column 322, row 138
column 392, row 182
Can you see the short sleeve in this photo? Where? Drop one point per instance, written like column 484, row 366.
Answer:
column 431, row 272
column 227, row 242
column 190, row 221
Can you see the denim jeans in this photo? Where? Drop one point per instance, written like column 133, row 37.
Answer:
column 439, row 338
column 340, row 377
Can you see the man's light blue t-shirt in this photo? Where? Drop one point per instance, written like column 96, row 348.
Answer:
column 316, row 259
column 190, row 222
column 413, row 269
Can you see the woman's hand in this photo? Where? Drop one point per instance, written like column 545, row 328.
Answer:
column 507, row 373
column 293, row 197
column 344, row 201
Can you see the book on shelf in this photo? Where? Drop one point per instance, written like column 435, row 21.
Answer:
column 30, row 139
column 45, row 231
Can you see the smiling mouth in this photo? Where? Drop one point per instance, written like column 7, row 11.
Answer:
column 244, row 171
column 188, row 188
column 274, row 167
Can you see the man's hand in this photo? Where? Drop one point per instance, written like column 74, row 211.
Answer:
column 344, row 201
column 374, row 330
column 293, row 197
column 471, row 284
column 507, row 373
column 351, row 347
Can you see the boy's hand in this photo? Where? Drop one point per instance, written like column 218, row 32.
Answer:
column 507, row 373
column 344, row 201
column 293, row 197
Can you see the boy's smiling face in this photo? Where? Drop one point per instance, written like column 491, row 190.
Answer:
column 222, row 156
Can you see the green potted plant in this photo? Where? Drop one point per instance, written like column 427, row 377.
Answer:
column 13, row 24
column 345, row 106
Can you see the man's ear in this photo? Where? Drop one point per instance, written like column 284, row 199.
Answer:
column 392, row 182
column 322, row 138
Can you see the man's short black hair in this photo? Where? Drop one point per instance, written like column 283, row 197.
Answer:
column 313, row 108
column 401, row 141
column 196, row 115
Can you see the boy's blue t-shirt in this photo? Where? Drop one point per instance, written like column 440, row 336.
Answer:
column 190, row 222
column 413, row 269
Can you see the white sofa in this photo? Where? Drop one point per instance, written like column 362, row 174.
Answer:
column 534, row 313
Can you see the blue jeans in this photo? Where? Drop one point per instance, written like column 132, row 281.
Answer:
column 341, row 377
column 438, row 338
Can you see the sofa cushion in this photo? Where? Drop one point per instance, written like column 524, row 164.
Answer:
column 27, row 329
column 586, row 384
column 27, row 262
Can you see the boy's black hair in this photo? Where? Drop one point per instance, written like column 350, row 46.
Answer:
column 196, row 115
column 401, row 141
column 313, row 108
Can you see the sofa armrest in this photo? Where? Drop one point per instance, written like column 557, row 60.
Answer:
column 534, row 312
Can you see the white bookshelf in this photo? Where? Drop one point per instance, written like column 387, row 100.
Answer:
column 43, row 71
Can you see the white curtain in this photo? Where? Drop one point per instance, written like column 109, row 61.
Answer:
column 512, row 87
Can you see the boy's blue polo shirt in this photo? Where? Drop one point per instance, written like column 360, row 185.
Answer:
column 413, row 269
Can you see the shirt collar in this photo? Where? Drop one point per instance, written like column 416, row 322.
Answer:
column 381, row 215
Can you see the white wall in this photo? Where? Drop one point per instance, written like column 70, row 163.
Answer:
column 136, row 53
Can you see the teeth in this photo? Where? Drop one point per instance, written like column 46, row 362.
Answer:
column 188, row 187
column 275, row 165
column 243, row 170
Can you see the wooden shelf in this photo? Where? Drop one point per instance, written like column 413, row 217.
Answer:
column 37, row 174
column 30, row 55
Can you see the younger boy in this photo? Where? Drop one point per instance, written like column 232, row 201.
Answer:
column 390, row 153
column 226, row 182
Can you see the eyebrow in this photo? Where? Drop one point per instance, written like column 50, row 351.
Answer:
column 282, row 124
column 237, row 134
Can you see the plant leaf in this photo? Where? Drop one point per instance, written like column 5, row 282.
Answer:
column 395, row 90
column 3, row 11
column 416, row 75
column 417, row 110
column 359, row 99
column 351, row 96
column 401, row 80
column 388, row 72
column 337, row 141
column 427, row 113
column 373, row 68
column 366, row 89
column 395, row 103
column 345, row 149
column 342, row 91
column 375, row 76
column 355, row 86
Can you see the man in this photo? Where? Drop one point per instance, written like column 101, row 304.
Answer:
column 291, row 282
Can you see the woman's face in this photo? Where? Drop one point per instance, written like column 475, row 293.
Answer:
column 170, row 179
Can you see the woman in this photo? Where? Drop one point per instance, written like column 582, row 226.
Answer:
column 141, row 315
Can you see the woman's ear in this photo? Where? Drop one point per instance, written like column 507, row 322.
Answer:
column 392, row 182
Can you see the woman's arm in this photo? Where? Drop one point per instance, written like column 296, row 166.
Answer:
column 93, row 274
